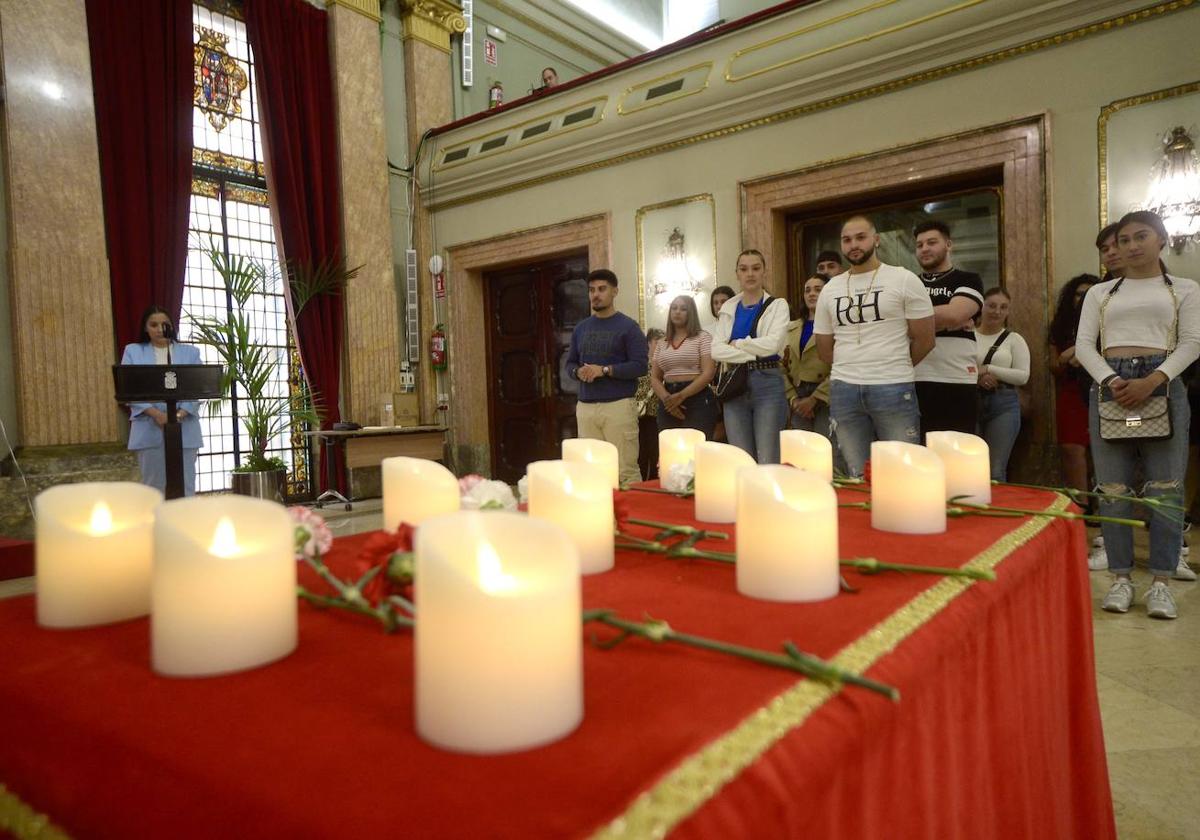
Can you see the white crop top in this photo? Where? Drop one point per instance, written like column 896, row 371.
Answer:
column 1140, row 314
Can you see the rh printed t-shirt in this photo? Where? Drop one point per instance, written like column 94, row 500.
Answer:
column 867, row 314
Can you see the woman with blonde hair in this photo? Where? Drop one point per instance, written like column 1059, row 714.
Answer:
column 680, row 370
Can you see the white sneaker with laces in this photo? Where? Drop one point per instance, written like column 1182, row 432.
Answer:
column 1119, row 597
column 1183, row 571
column 1159, row 601
column 1098, row 559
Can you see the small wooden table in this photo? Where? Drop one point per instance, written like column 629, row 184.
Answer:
column 368, row 446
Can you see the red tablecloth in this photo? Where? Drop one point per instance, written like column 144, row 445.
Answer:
column 997, row 735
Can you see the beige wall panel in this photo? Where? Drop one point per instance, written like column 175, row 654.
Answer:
column 372, row 370
column 61, row 304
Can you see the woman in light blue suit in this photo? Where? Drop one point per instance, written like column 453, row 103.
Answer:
column 147, row 419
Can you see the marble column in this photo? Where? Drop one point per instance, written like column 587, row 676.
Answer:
column 371, row 372
column 62, row 340
column 428, row 25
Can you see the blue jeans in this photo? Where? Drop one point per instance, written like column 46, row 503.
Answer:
column 999, row 424
column 754, row 420
column 859, row 414
column 1163, row 463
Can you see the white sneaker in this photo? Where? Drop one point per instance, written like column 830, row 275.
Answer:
column 1183, row 571
column 1098, row 541
column 1185, row 550
column 1159, row 601
column 1098, row 559
column 1120, row 596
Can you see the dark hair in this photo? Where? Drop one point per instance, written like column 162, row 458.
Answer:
column 931, row 224
column 829, row 256
column 152, row 309
column 1065, row 323
column 604, row 275
column 751, row 252
column 654, row 333
column 720, row 290
column 1151, row 220
column 805, row 315
column 551, row 69
column 996, row 290
column 1106, row 232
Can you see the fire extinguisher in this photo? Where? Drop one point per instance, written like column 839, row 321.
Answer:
column 437, row 348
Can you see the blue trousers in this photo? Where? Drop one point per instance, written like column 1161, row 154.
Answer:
column 754, row 420
column 860, row 414
column 153, row 463
column 999, row 425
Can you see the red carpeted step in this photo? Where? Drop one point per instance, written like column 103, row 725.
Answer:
column 16, row 558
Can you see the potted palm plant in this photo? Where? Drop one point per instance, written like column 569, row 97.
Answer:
column 267, row 407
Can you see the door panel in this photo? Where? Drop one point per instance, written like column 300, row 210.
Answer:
column 532, row 312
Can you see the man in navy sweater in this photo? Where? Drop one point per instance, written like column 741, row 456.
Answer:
column 608, row 354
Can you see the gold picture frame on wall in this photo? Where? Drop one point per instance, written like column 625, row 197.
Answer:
column 676, row 254
column 1108, row 131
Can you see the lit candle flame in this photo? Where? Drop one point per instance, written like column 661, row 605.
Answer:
column 492, row 578
column 224, row 541
column 101, row 519
column 568, row 487
column 906, row 459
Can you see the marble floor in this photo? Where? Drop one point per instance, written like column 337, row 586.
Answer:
column 1148, row 675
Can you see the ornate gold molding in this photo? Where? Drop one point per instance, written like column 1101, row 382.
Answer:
column 833, row 102
column 640, row 217
column 366, row 8
column 1102, row 130
column 432, row 21
column 702, row 775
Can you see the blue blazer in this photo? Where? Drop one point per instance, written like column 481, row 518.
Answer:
column 144, row 433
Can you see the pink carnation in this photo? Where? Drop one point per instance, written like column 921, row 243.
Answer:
column 312, row 536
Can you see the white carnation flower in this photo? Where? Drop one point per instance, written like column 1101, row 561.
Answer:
column 489, row 495
column 679, row 477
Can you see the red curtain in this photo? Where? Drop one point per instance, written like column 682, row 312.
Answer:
column 290, row 43
column 141, row 53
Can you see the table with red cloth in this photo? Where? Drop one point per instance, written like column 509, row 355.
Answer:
column 997, row 733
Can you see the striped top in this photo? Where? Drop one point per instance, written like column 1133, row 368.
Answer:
column 684, row 359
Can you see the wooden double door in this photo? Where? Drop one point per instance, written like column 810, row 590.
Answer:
column 531, row 313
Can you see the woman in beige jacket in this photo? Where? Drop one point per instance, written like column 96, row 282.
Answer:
column 807, row 375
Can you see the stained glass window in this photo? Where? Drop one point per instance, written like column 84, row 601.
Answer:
column 230, row 210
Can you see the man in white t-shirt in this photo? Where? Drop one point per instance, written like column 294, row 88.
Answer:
column 873, row 324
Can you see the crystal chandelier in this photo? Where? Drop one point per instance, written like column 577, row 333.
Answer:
column 1175, row 189
column 673, row 275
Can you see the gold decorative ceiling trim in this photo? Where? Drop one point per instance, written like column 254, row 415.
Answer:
column 549, row 32
column 832, row 102
column 600, row 102
column 431, row 22
column 860, row 39
column 674, row 74
column 1102, row 130
column 366, row 8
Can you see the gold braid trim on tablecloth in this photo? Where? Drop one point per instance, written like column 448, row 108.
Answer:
column 24, row 823
column 699, row 777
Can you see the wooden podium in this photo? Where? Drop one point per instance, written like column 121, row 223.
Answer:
column 171, row 384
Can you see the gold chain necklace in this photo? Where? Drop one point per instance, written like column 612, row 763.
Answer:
column 870, row 288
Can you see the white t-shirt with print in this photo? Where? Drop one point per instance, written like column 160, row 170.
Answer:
column 867, row 314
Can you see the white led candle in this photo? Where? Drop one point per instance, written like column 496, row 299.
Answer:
column 223, row 596
column 787, row 535
column 415, row 489
column 807, row 451
column 968, row 465
column 676, row 446
column 499, row 660
column 94, row 549
column 908, row 489
column 578, row 497
column 717, row 466
column 601, row 453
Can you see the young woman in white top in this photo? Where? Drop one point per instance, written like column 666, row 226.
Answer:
column 1003, row 358
column 1148, row 325
column 681, row 369
column 754, row 420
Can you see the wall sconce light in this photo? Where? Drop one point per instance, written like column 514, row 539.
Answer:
column 1175, row 189
column 672, row 275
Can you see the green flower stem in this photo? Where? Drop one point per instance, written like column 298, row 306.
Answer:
column 682, row 530
column 793, row 659
column 1060, row 514
column 677, row 494
column 1073, row 494
column 697, row 553
column 388, row 618
column 347, row 593
column 856, row 486
column 869, row 566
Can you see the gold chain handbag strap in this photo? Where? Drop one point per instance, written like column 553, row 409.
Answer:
column 1174, row 305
